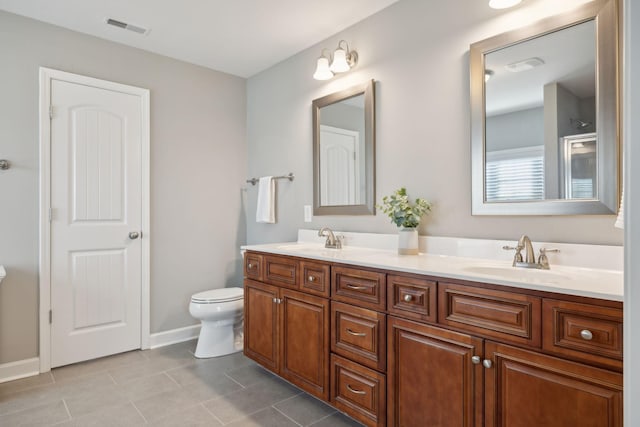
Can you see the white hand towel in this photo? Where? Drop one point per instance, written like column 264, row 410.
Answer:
column 266, row 211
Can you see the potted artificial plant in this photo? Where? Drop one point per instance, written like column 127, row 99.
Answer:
column 407, row 217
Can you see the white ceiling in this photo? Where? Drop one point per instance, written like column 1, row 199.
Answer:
column 569, row 59
column 241, row 37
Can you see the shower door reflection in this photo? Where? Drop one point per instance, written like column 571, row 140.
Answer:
column 580, row 166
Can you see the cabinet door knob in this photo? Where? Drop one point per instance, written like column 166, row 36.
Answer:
column 586, row 334
column 487, row 363
column 407, row 298
column 311, row 278
column 357, row 334
column 250, row 266
column 476, row 360
column 275, row 300
column 353, row 390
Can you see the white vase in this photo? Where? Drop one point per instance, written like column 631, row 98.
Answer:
column 408, row 241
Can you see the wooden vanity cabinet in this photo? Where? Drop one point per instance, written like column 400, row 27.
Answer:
column 398, row 349
column 432, row 379
column 287, row 331
column 525, row 389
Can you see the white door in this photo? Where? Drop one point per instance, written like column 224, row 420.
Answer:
column 96, row 211
column 339, row 169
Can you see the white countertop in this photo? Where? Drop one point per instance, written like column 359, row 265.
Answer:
column 580, row 281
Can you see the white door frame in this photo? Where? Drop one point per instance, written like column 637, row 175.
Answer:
column 46, row 76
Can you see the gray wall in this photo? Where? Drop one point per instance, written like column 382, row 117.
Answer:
column 524, row 128
column 419, row 56
column 198, row 155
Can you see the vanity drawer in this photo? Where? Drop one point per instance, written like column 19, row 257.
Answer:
column 281, row 271
column 315, row 278
column 358, row 391
column 359, row 286
column 509, row 317
column 585, row 332
column 359, row 334
column 253, row 266
column 412, row 297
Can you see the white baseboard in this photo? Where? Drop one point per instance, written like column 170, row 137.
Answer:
column 19, row 369
column 174, row 336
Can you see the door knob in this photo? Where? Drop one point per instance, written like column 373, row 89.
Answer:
column 133, row 235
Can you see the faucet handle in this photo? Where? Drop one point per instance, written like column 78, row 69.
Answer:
column 543, row 261
column 518, row 255
column 545, row 250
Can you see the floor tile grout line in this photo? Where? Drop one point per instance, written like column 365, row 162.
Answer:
column 64, row 402
column 232, row 379
column 212, row 414
column 324, row 418
column 139, row 412
column 286, row 416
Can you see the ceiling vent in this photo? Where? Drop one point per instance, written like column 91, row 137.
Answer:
column 126, row 26
column 524, row 65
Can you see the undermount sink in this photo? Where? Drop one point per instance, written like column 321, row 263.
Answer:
column 522, row 274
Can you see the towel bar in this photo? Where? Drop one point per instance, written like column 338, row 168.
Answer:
column 290, row 177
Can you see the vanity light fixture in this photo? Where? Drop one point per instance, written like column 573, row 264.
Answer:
column 342, row 61
column 322, row 68
column 503, row 4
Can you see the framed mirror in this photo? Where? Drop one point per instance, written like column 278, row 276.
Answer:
column 544, row 117
column 344, row 152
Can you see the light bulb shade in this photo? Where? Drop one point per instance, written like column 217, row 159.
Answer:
column 340, row 64
column 503, row 4
column 322, row 69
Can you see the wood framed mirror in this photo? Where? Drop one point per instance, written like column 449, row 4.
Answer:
column 544, row 116
column 344, row 152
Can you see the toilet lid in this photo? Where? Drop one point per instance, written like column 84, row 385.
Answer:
column 219, row 295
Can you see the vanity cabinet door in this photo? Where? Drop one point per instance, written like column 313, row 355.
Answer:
column 305, row 341
column 432, row 379
column 583, row 332
column 281, row 271
column 253, row 266
column 315, row 278
column 528, row 389
column 261, row 324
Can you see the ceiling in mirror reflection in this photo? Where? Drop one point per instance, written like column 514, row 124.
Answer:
column 568, row 56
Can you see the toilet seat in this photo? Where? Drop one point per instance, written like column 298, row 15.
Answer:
column 215, row 296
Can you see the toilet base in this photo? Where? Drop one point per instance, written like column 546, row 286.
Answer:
column 218, row 340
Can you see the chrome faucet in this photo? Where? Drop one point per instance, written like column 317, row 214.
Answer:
column 332, row 242
column 530, row 258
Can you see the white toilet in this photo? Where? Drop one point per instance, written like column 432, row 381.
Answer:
column 221, row 313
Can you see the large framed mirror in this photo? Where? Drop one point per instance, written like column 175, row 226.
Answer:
column 344, row 152
column 544, row 116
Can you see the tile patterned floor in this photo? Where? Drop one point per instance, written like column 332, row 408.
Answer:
column 163, row 387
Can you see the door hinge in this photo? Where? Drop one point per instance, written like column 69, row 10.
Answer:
column 50, row 316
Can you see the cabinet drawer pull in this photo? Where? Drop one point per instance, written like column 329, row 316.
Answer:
column 586, row 334
column 311, row 278
column 357, row 288
column 408, row 298
column 353, row 390
column 357, row 334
